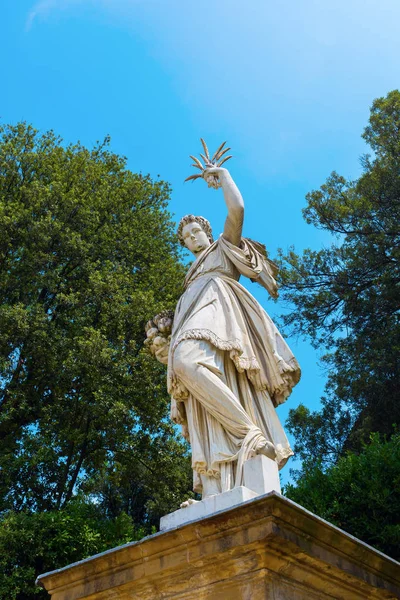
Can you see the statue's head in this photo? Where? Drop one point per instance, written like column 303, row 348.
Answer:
column 195, row 233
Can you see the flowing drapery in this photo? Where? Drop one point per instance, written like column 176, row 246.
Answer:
column 226, row 383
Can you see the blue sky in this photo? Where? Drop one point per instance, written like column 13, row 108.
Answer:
column 288, row 84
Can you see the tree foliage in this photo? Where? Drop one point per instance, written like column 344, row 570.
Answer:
column 87, row 255
column 347, row 296
column 34, row 543
column 360, row 493
column 346, row 299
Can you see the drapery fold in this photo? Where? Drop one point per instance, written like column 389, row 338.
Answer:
column 217, row 308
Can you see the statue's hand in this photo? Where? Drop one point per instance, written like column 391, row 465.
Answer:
column 211, row 170
column 214, row 176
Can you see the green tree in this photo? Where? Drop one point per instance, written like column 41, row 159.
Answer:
column 360, row 493
column 347, row 297
column 34, row 543
column 87, row 255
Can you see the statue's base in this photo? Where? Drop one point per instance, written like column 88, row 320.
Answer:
column 260, row 477
column 268, row 548
column 207, row 507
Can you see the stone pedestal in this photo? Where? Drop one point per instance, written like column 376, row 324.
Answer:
column 260, row 477
column 268, row 548
column 207, row 507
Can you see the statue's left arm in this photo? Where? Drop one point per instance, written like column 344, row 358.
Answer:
column 235, row 205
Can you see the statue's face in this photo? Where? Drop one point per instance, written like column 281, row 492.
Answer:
column 195, row 238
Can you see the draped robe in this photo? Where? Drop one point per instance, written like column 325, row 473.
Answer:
column 233, row 337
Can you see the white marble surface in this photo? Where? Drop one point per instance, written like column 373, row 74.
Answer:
column 261, row 475
column 228, row 365
column 207, row 507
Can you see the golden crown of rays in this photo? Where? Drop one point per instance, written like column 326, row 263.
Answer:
column 217, row 160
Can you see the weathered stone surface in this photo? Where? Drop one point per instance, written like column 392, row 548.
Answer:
column 266, row 548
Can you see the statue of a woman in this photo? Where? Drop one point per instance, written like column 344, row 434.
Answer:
column 228, row 365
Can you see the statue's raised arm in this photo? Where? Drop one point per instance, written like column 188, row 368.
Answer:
column 218, row 176
column 234, row 203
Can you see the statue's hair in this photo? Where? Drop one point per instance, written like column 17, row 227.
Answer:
column 204, row 224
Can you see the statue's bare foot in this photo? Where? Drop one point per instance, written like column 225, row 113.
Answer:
column 188, row 502
column 268, row 450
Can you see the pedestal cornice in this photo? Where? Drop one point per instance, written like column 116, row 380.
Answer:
column 268, row 547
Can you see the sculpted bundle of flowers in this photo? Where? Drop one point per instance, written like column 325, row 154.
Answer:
column 158, row 332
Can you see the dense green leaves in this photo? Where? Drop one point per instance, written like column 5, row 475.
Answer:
column 346, row 299
column 87, row 255
column 34, row 543
column 347, row 296
column 360, row 494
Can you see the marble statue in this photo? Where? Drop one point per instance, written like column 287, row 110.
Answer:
column 228, row 365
